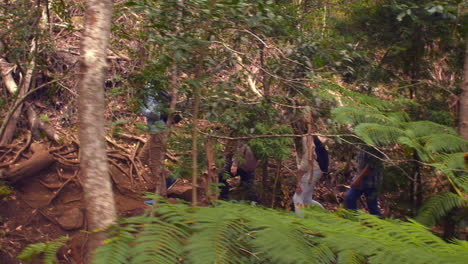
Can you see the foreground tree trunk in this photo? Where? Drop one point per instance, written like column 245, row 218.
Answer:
column 93, row 160
column 464, row 100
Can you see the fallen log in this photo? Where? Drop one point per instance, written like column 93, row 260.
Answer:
column 41, row 159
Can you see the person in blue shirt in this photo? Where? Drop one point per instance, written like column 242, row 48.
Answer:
column 367, row 181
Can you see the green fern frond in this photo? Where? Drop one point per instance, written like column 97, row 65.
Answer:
column 159, row 242
column 445, row 143
column 349, row 257
column 47, row 250
column 453, row 160
column 458, row 182
column 217, row 238
column 117, row 247
column 238, row 233
column 414, row 144
column 438, row 206
column 427, row 128
column 398, row 117
column 377, row 134
column 358, row 99
column 358, row 115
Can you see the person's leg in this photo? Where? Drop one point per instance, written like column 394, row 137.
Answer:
column 224, row 188
column 372, row 201
column 247, row 182
column 222, row 179
column 351, row 198
column 170, row 181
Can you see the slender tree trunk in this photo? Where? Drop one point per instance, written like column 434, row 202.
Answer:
column 196, row 108
column 212, row 177
column 97, row 185
column 463, row 125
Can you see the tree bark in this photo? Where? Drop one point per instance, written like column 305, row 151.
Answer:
column 463, row 125
column 196, row 109
column 212, row 177
column 97, row 185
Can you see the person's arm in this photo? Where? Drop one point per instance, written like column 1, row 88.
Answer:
column 361, row 176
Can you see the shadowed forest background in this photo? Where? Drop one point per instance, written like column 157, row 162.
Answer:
column 392, row 74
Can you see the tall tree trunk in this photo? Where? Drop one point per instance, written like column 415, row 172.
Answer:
column 196, row 108
column 463, row 125
column 97, row 185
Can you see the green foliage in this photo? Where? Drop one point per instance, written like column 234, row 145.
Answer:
column 45, row 251
column 278, row 148
column 238, row 233
column 434, row 143
column 438, row 206
column 376, row 134
column 4, row 190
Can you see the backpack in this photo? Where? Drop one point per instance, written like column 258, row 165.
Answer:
column 321, row 154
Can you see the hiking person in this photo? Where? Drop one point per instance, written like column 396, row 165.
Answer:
column 366, row 181
column 309, row 173
column 155, row 109
column 240, row 163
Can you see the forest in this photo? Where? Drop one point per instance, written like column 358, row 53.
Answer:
column 233, row 131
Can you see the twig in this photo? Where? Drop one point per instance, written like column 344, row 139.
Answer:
column 116, row 145
column 142, row 140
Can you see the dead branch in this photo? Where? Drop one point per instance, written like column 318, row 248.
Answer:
column 37, row 124
column 40, row 160
column 142, row 140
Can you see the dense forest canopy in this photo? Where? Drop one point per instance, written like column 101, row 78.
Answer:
column 171, row 88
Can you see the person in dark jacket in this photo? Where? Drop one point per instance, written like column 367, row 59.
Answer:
column 241, row 163
column 367, row 181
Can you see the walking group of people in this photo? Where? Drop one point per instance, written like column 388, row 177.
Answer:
column 366, row 181
column 242, row 162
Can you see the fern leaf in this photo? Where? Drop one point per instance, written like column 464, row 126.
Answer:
column 427, row 128
column 116, row 249
column 445, row 143
column 376, row 134
column 438, row 206
column 349, row 257
column 48, row 250
column 358, row 115
column 215, row 239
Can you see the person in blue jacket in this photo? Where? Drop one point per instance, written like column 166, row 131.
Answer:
column 155, row 109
